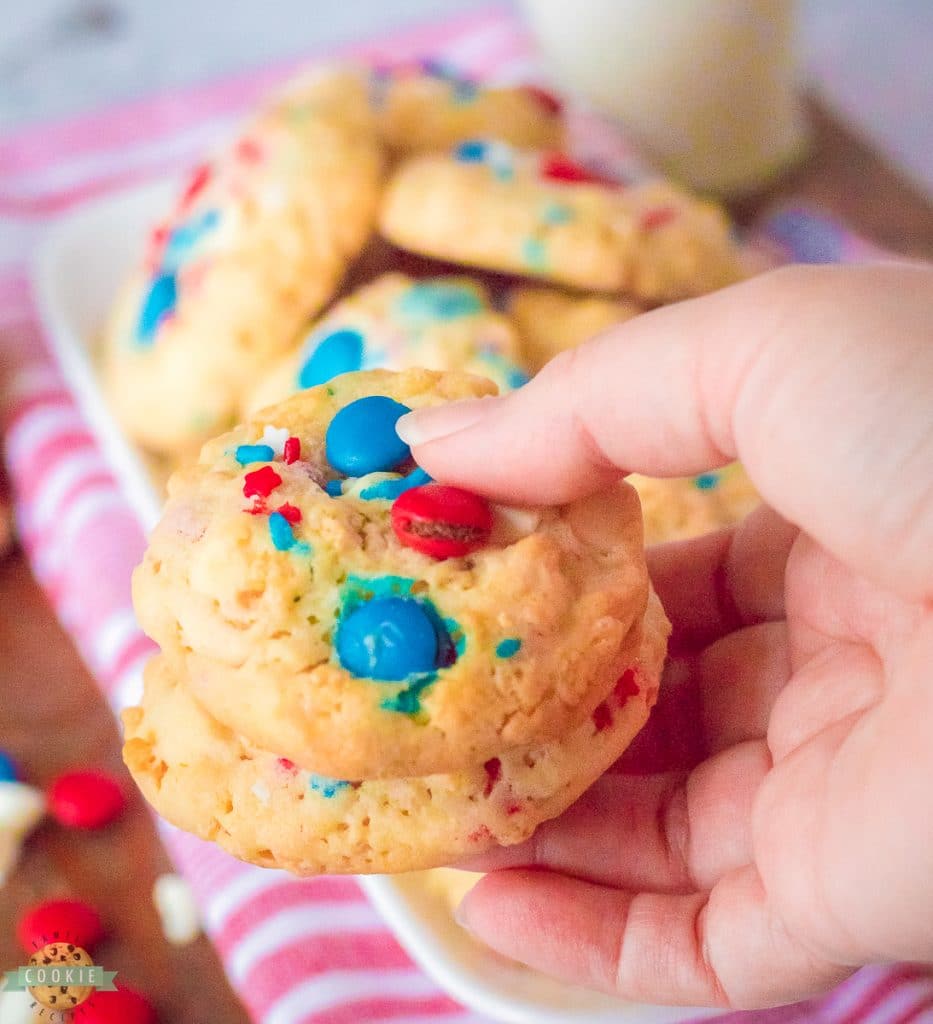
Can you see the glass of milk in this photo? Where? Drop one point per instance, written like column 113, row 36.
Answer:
column 706, row 87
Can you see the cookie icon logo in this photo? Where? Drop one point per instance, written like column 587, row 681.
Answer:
column 61, row 985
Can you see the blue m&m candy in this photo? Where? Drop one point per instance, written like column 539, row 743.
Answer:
column 361, row 438
column 7, row 768
column 388, row 638
column 338, row 352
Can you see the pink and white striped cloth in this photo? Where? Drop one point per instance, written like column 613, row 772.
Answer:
column 295, row 951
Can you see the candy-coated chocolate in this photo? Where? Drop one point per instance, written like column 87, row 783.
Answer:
column 86, row 799
column 338, row 352
column 441, row 521
column 509, row 647
column 8, row 771
column 261, row 482
column 68, row 920
column 247, row 453
column 334, row 488
column 362, row 438
column 125, row 1006
column 158, row 304
column 388, row 638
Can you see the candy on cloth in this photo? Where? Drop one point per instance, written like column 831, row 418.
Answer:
column 362, row 438
column 68, row 920
column 441, row 521
column 86, row 799
column 388, row 638
column 124, row 1006
column 8, row 772
column 177, row 910
column 22, row 807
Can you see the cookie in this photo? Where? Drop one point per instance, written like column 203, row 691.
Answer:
column 550, row 321
column 395, row 322
column 541, row 215
column 256, row 243
column 280, row 567
column 689, row 506
column 208, row 780
column 56, row 958
column 432, row 108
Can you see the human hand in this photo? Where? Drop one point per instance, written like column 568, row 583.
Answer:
column 779, row 832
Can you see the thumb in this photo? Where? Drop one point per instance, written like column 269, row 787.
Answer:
column 818, row 379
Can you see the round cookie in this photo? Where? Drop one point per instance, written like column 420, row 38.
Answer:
column 257, row 242
column 550, row 321
column 683, row 507
column 395, row 322
column 541, row 215
column 256, row 567
column 62, row 955
column 432, row 108
column 206, row 779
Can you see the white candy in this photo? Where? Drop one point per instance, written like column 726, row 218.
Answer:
column 17, row 1008
column 275, row 438
column 511, row 524
column 22, row 807
column 261, row 791
column 176, row 908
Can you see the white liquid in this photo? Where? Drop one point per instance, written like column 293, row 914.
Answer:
column 706, row 87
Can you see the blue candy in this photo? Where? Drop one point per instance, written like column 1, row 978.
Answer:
column 361, row 438
column 7, row 768
column 334, row 488
column 437, row 300
column 280, row 529
column 247, row 453
column 508, row 647
column 389, row 490
column 159, row 302
column 338, row 352
column 327, row 787
column 389, row 638
column 473, row 151
column 186, row 236
column 706, row 481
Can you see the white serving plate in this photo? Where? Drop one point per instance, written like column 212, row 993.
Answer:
column 76, row 272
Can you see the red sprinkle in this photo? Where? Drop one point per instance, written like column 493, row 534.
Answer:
column 292, row 451
column 249, row 150
column 86, row 799
column 200, row 176
column 602, row 717
column 513, row 808
column 479, row 833
column 626, row 686
column 544, row 98
column 257, row 508
column 286, row 765
column 125, row 1006
column 261, row 482
column 652, row 219
column 493, row 769
column 290, row 514
column 560, row 167
column 69, row 920
column 441, row 521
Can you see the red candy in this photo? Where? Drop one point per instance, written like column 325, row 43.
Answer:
column 493, row 769
column 602, row 717
column 544, row 98
column 86, row 799
column 290, row 514
column 291, row 452
column 441, row 521
column 125, row 1006
column 626, row 686
column 70, row 920
column 261, row 482
column 657, row 218
column 559, row 167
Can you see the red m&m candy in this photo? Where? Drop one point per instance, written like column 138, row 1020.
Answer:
column 441, row 521
column 68, row 920
column 125, row 1006
column 86, row 799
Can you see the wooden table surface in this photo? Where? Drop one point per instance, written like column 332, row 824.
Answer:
column 51, row 715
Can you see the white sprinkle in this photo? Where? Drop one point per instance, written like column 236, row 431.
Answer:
column 275, row 438
column 177, row 910
column 511, row 524
column 261, row 791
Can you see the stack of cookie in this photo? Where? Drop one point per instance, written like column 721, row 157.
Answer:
column 364, row 671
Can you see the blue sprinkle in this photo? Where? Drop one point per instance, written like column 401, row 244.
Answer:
column 706, row 481
column 247, row 453
column 338, row 352
column 534, row 254
column 389, row 490
column 506, row 648
column 464, row 91
column 326, row 787
column 473, row 151
column 503, row 172
column 8, row 771
column 516, row 378
column 557, row 213
column 301, row 547
column 186, row 236
column 334, row 488
column 281, row 530
column 159, row 303
column 362, row 438
column 438, row 300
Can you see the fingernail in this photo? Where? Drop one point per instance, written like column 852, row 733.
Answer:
column 431, row 424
